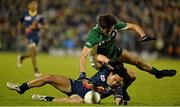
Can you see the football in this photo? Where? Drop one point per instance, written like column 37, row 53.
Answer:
column 92, row 97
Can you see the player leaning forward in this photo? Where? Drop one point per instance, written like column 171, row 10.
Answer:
column 102, row 37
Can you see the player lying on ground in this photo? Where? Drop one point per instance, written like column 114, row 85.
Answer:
column 123, row 72
column 106, row 82
column 129, row 75
column 29, row 26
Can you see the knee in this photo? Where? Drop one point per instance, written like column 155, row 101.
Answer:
column 48, row 78
column 138, row 60
column 77, row 100
column 33, row 50
column 132, row 75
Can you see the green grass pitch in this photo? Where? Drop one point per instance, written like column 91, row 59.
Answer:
column 145, row 91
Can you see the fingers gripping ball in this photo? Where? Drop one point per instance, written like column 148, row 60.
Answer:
column 92, row 97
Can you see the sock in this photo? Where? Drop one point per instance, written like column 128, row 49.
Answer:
column 36, row 70
column 154, row 71
column 23, row 57
column 24, row 87
column 49, row 98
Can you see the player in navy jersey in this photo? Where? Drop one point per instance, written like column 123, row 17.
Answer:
column 30, row 25
column 106, row 82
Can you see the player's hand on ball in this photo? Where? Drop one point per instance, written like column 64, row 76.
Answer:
column 147, row 38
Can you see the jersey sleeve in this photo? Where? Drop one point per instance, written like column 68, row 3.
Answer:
column 118, row 92
column 120, row 25
column 40, row 19
column 92, row 39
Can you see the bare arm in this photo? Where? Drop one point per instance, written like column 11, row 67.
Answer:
column 83, row 57
column 102, row 58
column 136, row 28
column 45, row 26
column 41, row 26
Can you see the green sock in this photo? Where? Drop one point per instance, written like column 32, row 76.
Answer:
column 154, row 71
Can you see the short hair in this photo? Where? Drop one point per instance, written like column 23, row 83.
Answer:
column 119, row 68
column 106, row 21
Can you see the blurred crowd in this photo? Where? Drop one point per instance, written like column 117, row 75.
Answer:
column 70, row 21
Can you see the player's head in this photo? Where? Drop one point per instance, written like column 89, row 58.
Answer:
column 106, row 22
column 118, row 67
column 114, row 79
column 33, row 6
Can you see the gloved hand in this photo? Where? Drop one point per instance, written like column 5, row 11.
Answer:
column 82, row 76
column 147, row 38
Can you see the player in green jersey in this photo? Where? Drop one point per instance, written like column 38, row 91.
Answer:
column 103, row 37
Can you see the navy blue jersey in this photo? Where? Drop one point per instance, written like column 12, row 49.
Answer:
column 27, row 20
column 100, row 79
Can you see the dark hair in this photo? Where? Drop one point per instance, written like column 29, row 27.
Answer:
column 121, row 72
column 106, row 21
column 118, row 68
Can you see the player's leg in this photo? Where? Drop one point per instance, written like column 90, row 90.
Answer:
column 133, row 59
column 33, row 52
column 21, row 58
column 127, row 81
column 72, row 99
column 59, row 82
column 24, row 56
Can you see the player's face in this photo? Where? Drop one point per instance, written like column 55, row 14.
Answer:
column 114, row 80
column 107, row 31
column 33, row 6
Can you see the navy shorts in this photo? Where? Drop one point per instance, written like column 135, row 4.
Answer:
column 33, row 38
column 77, row 87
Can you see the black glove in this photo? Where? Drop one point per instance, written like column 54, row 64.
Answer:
column 147, row 38
column 82, row 76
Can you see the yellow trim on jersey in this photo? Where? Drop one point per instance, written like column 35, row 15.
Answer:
column 32, row 13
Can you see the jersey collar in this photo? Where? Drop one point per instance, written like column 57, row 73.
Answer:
column 32, row 13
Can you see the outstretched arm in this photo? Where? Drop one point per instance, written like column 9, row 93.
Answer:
column 140, row 31
column 136, row 28
column 83, row 57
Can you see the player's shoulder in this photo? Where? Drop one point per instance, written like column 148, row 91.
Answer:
column 120, row 24
column 94, row 31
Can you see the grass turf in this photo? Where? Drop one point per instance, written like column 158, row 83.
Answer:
column 145, row 91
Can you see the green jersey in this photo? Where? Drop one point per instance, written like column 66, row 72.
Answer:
column 106, row 45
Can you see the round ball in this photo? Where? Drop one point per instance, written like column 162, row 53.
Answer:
column 92, row 97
